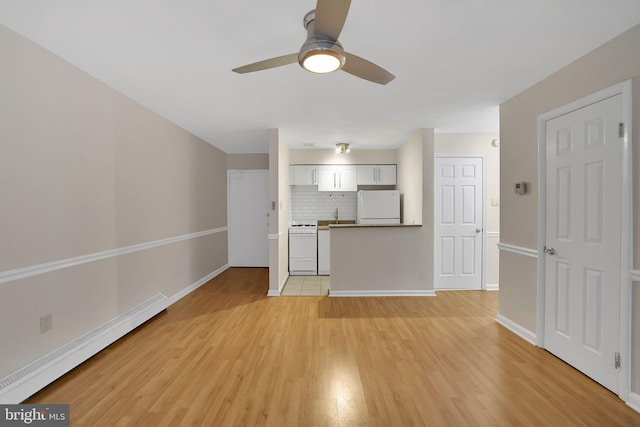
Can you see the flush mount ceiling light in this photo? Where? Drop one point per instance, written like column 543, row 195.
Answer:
column 342, row 147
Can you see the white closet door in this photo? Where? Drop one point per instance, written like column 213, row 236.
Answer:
column 248, row 222
column 583, row 199
column 458, row 223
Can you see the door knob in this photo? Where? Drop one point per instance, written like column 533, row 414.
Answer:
column 549, row 251
column 478, row 230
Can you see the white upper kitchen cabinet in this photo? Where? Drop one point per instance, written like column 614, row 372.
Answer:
column 376, row 174
column 337, row 178
column 303, row 175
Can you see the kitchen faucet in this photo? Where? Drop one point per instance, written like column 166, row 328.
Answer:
column 336, row 216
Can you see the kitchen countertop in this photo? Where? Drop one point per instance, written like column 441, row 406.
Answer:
column 373, row 225
column 326, row 225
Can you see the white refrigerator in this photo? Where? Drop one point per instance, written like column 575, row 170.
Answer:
column 378, row 207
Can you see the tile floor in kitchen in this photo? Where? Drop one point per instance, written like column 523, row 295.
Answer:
column 307, row 286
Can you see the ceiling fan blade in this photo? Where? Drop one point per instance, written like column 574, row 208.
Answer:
column 364, row 69
column 330, row 17
column 268, row 63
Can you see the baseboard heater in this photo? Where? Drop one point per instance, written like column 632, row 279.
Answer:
column 28, row 380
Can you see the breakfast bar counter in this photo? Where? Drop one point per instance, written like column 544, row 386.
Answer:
column 380, row 260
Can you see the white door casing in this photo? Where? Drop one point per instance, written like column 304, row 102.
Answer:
column 248, row 218
column 583, row 247
column 459, row 222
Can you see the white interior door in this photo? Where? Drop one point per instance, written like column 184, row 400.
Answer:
column 583, row 232
column 248, row 222
column 459, row 222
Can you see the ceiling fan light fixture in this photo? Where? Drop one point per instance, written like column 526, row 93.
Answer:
column 321, row 62
column 321, row 56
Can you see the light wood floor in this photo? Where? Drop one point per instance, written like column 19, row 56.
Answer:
column 226, row 355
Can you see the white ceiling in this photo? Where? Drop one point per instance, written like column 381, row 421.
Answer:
column 455, row 61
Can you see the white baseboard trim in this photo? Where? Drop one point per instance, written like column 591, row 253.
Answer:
column 34, row 270
column 517, row 329
column 28, row 380
column 634, row 401
column 278, row 292
column 284, row 281
column 493, row 234
column 23, row 383
column 420, row 293
column 492, row 287
column 186, row 291
column 518, row 250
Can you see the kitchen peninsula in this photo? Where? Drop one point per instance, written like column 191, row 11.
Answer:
column 379, row 260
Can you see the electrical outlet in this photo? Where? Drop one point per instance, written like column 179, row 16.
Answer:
column 46, row 323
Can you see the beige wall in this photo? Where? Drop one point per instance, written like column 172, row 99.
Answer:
column 410, row 181
column 247, row 161
column 84, row 169
column 612, row 63
column 330, row 157
column 480, row 144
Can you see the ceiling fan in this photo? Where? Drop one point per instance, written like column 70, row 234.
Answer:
column 321, row 52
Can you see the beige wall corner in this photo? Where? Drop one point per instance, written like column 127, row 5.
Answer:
column 409, row 182
column 259, row 161
column 279, row 212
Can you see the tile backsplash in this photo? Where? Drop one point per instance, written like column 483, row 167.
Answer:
column 309, row 204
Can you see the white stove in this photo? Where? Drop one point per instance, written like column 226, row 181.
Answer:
column 303, row 249
column 303, row 229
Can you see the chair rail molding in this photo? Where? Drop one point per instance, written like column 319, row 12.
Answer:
column 518, row 250
column 35, row 270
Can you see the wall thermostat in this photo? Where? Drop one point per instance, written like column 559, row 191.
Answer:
column 521, row 187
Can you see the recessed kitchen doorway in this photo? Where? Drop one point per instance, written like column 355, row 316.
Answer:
column 307, row 286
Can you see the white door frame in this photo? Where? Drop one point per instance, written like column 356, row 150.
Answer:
column 626, row 221
column 483, row 234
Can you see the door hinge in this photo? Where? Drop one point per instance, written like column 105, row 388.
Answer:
column 620, row 130
column 617, row 361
